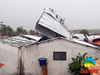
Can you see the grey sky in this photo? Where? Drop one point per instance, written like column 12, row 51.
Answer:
column 77, row 13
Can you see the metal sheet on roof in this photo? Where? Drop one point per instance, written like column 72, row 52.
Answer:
column 95, row 36
column 32, row 37
column 51, row 25
column 19, row 41
column 84, row 43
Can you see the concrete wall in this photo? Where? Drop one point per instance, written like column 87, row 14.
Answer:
column 9, row 57
column 32, row 53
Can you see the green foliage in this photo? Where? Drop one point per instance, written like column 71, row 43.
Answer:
column 84, row 31
column 32, row 32
column 8, row 31
column 77, row 64
column 20, row 30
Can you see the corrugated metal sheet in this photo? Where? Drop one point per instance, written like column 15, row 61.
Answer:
column 52, row 25
column 84, row 43
column 20, row 41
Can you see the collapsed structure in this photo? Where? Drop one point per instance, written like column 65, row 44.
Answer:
column 52, row 25
column 21, row 54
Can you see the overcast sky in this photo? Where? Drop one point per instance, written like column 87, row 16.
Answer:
column 77, row 13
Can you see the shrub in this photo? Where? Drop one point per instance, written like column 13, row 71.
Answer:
column 77, row 63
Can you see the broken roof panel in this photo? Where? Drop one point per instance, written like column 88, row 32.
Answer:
column 18, row 41
column 51, row 25
column 31, row 37
column 84, row 43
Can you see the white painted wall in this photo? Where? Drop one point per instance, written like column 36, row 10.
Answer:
column 32, row 53
column 9, row 57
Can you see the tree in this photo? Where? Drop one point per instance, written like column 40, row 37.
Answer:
column 20, row 30
column 3, row 29
column 24, row 31
column 84, row 31
column 32, row 32
column 9, row 31
column 6, row 30
column 14, row 33
column 77, row 64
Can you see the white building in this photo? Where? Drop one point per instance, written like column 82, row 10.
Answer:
column 24, row 60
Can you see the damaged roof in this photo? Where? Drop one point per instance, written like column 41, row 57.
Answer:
column 73, row 40
column 52, row 25
column 20, row 41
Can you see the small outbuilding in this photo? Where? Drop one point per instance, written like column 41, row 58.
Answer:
column 58, row 53
column 23, row 60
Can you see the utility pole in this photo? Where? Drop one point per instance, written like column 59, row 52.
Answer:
column 2, row 27
column 1, row 22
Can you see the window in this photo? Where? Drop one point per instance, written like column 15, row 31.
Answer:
column 59, row 55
